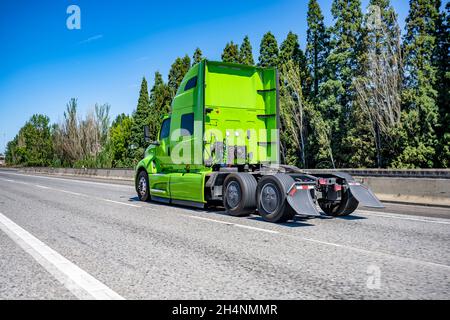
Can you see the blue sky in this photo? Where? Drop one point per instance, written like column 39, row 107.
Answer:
column 43, row 64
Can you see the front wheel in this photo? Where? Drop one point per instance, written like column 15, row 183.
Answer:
column 142, row 186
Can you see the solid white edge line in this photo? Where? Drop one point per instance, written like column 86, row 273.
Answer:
column 79, row 282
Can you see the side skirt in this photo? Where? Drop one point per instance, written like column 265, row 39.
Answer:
column 189, row 203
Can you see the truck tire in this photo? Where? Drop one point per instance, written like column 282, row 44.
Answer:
column 142, row 187
column 345, row 207
column 239, row 194
column 271, row 198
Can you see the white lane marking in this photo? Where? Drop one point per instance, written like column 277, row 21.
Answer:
column 42, row 187
column 76, row 280
column 69, row 192
column 75, row 193
column 324, row 242
column 402, row 217
column 254, row 228
column 232, row 224
column 73, row 180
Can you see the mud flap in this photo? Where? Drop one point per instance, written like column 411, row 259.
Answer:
column 364, row 195
column 301, row 201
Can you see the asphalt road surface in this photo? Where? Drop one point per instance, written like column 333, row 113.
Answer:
column 63, row 238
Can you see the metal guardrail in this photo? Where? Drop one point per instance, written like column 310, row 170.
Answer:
column 394, row 173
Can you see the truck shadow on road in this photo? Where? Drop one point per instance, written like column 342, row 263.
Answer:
column 298, row 221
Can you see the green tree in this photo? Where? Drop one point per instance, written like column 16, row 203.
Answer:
column 317, row 46
column 231, row 53
column 177, row 72
column 159, row 104
column 290, row 51
column 420, row 115
column 141, row 117
column 120, row 141
column 443, row 87
column 246, row 53
column 343, row 65
column 33, row 144
column 197, row 57
column 268, row 51
column 377, row 108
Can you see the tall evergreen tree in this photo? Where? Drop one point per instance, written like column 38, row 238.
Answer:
column 420, row 116
column 159, row 104
column 140, row 119
column 443, row 87
column 197, row 57
column 268, row 51
column 245, row 52
column 317, row 45
column 294, row 78
column 343, row 65
column 177, row 72
column 290, row 50
column 378, row 87
column 231, row 53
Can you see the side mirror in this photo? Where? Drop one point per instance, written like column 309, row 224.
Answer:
column 146, row 133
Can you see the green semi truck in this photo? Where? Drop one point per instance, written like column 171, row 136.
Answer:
column 220, row 146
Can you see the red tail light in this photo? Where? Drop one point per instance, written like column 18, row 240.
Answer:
column 293, row 191
column 322, row 181
column 337, row 187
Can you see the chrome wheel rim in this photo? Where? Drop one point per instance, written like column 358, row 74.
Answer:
column 233, row 194
column 142, row 186
column 269, row 198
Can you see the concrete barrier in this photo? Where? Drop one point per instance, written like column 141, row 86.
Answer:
column 393, row 187
column 422, row 191
column 117, row 174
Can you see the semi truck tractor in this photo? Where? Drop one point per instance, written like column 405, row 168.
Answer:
column 220, row 146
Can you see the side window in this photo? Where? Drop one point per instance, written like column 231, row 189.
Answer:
column 192, row 83
column 187, row 124
column 165, row 129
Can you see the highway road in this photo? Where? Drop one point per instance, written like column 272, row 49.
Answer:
column 70, row 238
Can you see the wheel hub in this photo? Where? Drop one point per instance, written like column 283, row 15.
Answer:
column 233, row 194
column 269, row 198
column 142, row 186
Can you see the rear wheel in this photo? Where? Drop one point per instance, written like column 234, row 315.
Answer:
column 345, row 207
column 239, row 194
column 142, row 186
column 271, row 198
